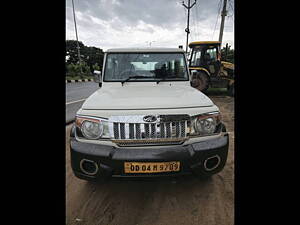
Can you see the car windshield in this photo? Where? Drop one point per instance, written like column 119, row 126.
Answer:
column 145, row 67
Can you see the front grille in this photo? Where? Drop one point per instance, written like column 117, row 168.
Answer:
column 138, row 131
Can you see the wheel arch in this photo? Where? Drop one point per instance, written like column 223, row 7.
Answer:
column 200, row 69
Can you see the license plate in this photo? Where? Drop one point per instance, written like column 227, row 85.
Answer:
column 151, row 167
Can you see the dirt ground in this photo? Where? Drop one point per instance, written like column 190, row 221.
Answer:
column 182, row 201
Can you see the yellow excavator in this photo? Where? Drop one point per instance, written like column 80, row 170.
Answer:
column 207, row 68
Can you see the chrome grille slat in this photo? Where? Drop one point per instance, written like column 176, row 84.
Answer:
column 161, row 131
column 127, row 131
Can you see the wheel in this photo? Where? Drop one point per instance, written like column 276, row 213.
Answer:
column 231, row 90
column 200, row 81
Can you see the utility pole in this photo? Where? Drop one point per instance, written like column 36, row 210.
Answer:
column 187, row 30
column 224, row 13
column 78, row 48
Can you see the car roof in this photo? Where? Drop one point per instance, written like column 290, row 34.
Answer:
column 179, row 50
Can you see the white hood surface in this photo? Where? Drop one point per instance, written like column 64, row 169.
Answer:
column 146, row 97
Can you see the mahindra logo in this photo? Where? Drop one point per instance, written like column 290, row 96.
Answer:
column 150, row 118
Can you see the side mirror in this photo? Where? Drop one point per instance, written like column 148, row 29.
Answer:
column 97, row 77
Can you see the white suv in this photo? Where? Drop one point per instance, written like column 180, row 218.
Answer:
column 146, row 120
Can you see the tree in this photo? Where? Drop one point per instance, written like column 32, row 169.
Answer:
column 230, row 54
column 94, row 56
column 72, row 70
column 89, row 55
column 72, row 52
column 96, row 67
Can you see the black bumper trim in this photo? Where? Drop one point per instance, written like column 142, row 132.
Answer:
column 111, row 159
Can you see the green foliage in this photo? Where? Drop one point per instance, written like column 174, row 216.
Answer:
column 73, row 70
column 91, row 58
column 230, row 54
column 72, row 52
column 96, row 67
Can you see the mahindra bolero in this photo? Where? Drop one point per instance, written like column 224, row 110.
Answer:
column 146, row 120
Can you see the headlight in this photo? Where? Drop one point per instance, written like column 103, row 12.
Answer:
column 206, row 124
column 91, row 127
column 92, row 130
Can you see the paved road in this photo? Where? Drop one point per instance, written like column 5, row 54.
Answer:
column 76, row 93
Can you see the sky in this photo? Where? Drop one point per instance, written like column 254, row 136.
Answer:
column 146, row 23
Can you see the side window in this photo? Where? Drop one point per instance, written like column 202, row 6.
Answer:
column 213, row 53
column 196, row 57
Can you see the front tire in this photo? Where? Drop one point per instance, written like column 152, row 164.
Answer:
column 201, row 81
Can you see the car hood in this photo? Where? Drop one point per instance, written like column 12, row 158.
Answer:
column 146, row 97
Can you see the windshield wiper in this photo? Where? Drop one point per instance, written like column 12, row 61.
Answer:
column 132, row 77
column 164, row 78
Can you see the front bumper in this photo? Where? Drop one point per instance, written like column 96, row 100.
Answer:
column 110, row 160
